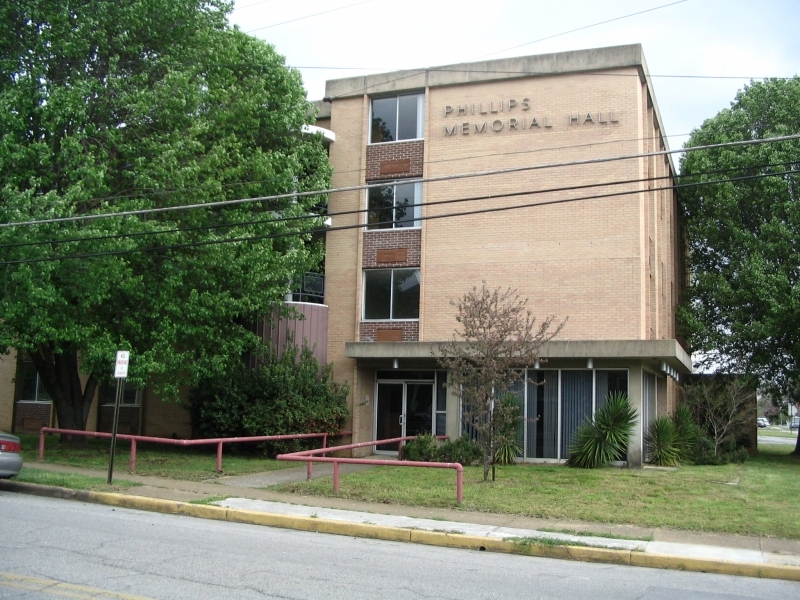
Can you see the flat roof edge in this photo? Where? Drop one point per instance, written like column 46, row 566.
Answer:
column 669, row 351
column 556, row 63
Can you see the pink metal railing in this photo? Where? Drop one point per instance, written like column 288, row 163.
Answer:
column 173, row 442
column 311, row 456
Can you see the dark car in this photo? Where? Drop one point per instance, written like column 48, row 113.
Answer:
column 10, row 457
column 762, row 422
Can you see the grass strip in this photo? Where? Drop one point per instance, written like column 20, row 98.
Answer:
column 72, row 481
column 209, row 500
column 188, row 463
column 611, row 536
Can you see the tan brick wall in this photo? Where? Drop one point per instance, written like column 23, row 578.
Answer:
column 8, row 370
column 578, row 259
column 343, row 248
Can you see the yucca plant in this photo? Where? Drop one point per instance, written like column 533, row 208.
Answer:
column 685, row 432
column 661, row 442
column 602, row 440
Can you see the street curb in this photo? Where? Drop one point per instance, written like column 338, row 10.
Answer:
column 528, row 547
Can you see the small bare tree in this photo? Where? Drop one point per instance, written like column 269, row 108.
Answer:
column 497, row 336
column 722, row 405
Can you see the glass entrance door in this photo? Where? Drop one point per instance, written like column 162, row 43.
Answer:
column 402, row 409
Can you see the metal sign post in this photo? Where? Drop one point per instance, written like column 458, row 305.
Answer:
column 120, row 373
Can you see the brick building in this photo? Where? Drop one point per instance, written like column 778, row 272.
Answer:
column 611, row 264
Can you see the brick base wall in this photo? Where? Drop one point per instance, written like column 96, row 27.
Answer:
column 398, row 151
column 368, row 330
column 128, row 419
column 29, row 417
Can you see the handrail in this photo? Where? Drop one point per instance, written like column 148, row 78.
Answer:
column 176, row 442
column 311, row 456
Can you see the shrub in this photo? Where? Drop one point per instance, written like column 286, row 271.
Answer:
column 286, row 394
column 726, row 453
column 507, row 430
column 604, row 439
column 463, row 451
column 422, row 448
column 661, row 441
column 427, row 448
column 686, row 432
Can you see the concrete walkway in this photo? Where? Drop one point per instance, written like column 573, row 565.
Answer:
column 250, row 494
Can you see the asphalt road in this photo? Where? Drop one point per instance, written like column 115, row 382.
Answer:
column 774, row 439
column 59, row 548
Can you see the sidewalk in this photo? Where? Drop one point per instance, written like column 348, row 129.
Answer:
column 248, row 496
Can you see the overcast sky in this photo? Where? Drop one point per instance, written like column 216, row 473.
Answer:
column 708, row 38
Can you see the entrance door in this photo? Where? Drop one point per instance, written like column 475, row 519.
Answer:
column 403, row 409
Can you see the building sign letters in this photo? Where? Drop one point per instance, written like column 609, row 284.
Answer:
column 497, row 116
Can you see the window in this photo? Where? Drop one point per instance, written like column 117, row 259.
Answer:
column 395, row 205
column 391, row 294
column 29, row 384
column 108, row 392
column 397, row 118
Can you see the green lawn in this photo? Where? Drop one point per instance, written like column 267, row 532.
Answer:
column 777, row 433
column 71, row 481
column 193, row 464
column 760, row 497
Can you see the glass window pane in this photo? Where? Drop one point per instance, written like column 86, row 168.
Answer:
column 377, row 294
column 406, row 294
column 407, row 121
column 441, row 423
column 405, row 201
column 384, row 120
column 26, row 381
column 441, row 391
column 609, row 382
column 380, row 202
column 542, row 415
column 576, row 405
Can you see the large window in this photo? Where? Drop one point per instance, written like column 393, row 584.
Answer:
column 395, row 205
column 108, row 394
column 397, row 118
column 29, row 385
column 391, row 294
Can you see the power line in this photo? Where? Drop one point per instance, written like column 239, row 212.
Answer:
column 365, row 225
column 549, row 37
column 324, row 12
column 372, row 210
column 425, row 180
column 169, row 192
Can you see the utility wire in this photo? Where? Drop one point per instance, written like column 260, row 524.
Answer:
column 365, row 225
column 549, row 37
column 324, row 12
column 169, row 192
column 373, row 210
column 505, row 171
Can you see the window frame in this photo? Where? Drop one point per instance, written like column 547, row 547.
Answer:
column 393, row 183
column 364, row 318
column 420, row 117
column 112, row 386
column 19, row 385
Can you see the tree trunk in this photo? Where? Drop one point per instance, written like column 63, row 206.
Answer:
column 797, row 445
column 60, row 374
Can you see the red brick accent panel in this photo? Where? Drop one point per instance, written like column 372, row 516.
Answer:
column 368, row 330
column 409, row 240
column 385, row 160
column 389, row 335
column 31, row 416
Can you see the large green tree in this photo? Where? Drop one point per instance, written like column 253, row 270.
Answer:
column 109, row 106
column 743, row 305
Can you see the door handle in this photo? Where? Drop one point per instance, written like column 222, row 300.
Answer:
column 402, row 420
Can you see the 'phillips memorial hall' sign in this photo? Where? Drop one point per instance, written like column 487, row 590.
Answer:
column 522, row 121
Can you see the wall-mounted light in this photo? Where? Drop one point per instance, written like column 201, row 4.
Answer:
column 395, row 363
column 537, row 364
column 589, row 363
